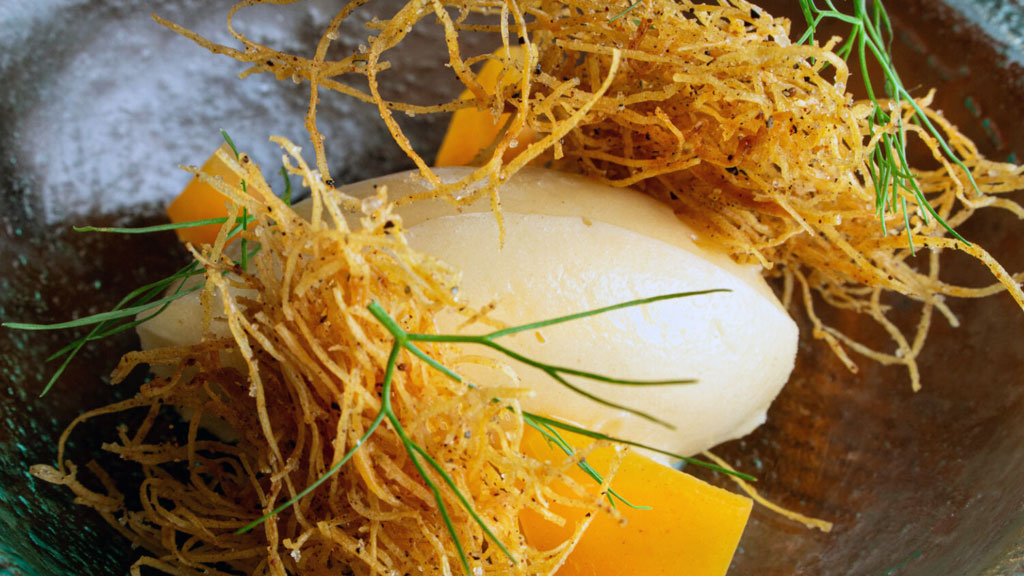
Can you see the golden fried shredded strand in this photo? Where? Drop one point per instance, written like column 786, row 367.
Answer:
column 749, row 490
column 753, row 140
column 711, row 108
column 296, row 385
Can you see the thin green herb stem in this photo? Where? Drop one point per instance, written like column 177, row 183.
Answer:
column 871, row 32
column 554, row 373
column 151, row 229
column 245, row 210
column 316, row 483
column 405, row 341
column 104, row 324
column 413, row 449
column 99, row 331
column 552, row 436
column 410, row 346
column 287, row 196
column 626, row 10
column 551, row 369
column 410, row 338
column 599, row 436
column 240, row 222
column 144, row 294
column 101, row 321
column 442, row 508
column 245, row 242
column 599, row 311
column 389, row 372
column 101, row 317
column 558, row 373
column 231, row 143
column 809, row 17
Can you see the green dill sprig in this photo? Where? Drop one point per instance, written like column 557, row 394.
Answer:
column 538, row 421
column 124, row 316
column 871, row 39
column 153, row 296
column 548, row 427
column 109, row 323
column 558, row 373
column 152, row 229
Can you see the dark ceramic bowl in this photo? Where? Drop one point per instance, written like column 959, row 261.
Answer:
column 98, row 105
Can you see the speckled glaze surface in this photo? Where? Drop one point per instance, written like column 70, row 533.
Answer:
column 98, row 106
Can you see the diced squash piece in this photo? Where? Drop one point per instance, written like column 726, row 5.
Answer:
column 692, row 528
column 472, row 130
column 201, row 201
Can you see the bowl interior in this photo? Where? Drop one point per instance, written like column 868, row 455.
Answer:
column 99, row 104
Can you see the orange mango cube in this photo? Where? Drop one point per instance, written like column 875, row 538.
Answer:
column 692, row 528
column 471, row 130
column 201, row 201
